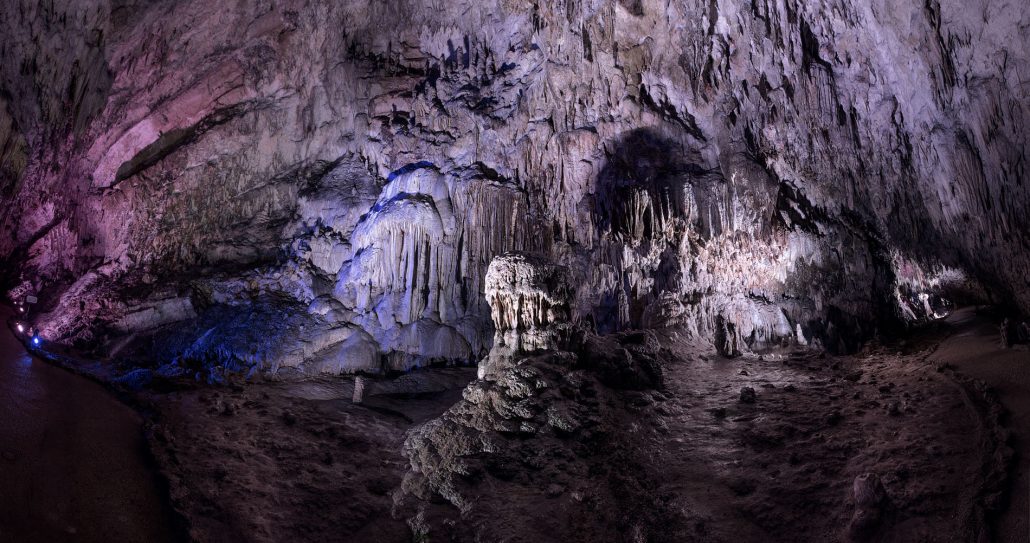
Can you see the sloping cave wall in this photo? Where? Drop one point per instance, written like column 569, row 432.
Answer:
column 335, row 178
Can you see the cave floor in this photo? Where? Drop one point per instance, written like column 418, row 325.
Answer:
column 267, row 461
column 783, row 467
column 972, row 346
column 270, row 460
column 73, row 463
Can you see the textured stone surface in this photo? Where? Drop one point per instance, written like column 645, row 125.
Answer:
column 535, row 433
column 569, row 446
column 529, row 302
column 755, row 172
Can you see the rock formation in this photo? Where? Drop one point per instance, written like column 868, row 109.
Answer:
column 195, row 194
column 529, row 301
column 600, row 437
column 545, row 412
column 758, row 172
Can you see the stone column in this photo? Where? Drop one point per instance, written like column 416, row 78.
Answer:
column 359, row 390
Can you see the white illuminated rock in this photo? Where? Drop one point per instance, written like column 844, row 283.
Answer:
column 529, row 302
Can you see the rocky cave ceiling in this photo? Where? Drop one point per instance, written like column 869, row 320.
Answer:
column 320, row 187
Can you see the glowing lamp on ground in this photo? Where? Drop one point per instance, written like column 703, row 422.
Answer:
column 35, row 341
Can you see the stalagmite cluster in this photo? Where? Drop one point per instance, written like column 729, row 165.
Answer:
column 529, row 302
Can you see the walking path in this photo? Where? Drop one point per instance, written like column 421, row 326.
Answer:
column 72, row 458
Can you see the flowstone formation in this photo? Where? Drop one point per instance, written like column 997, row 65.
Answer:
column 759, row 173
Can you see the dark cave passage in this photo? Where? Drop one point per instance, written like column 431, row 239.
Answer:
column 74, row 464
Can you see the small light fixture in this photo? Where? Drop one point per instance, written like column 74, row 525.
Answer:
column 35, row 340
column 21, row 329
column 21, row 309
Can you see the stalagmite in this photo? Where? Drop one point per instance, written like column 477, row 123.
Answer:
column 684, row 234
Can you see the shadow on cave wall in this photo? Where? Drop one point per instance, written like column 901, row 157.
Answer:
column 653, row 193
column 638, row 193
column 641, row 160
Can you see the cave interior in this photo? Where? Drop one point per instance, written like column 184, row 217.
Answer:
column 511, row 270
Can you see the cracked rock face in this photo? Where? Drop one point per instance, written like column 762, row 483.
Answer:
column 757, row 173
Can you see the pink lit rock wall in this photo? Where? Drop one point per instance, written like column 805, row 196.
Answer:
column 751, row 171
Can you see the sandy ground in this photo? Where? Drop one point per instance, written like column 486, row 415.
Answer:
column 972, row 346
column 72, row 459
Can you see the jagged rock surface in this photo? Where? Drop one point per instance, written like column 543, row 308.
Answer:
column 536, row 432
column 529, row 301
column 756, row 172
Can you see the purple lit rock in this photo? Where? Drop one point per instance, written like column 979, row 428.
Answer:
column 772, row 175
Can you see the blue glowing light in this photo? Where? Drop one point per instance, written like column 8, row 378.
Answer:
column 35, row 341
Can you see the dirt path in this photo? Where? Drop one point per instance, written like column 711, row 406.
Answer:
column 72, row 459
column 973, row 348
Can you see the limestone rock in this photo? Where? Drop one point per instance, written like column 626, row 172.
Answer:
column 529, row 302
column 752, row 173
column 870, row 499
column 509, row 450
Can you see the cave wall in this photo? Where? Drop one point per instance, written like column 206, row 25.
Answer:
column 755, row 172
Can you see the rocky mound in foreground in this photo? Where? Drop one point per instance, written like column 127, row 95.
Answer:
column 620, row 439
column 549, row 425
column 556, row 432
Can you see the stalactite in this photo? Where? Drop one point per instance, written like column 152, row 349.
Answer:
column 720, row 161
